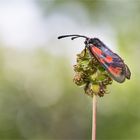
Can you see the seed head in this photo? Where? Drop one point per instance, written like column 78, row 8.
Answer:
column 91, row 74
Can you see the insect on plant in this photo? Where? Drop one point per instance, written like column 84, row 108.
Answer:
column 96, row 66
column 109, row 60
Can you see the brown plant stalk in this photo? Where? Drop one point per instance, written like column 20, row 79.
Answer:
column 94, row 111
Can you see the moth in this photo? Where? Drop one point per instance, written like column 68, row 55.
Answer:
column 109, row 60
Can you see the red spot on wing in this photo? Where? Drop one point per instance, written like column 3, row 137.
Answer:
column 99, row 52
column 116, row 70
column 108, row 59
column 96, row 50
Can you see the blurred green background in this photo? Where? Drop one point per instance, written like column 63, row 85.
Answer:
column 38, row 99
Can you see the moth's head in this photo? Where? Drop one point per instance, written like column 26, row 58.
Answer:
column 92, row 41
column 88, row 41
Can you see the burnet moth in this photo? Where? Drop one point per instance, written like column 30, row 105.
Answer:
column 112, row 62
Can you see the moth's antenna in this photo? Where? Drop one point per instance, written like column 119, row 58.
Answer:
column 74, row 36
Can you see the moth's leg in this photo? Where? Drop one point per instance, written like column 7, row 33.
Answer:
column 85, row 51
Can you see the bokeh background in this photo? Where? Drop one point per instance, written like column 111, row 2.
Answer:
column 38, row 99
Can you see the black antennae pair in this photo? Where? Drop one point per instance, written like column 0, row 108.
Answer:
column 74, row 36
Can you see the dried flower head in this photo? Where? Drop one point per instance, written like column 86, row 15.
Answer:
column 90, row 74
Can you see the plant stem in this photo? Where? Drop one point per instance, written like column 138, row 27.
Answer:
column 94, row 108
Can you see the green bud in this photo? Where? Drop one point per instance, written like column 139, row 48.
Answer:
column 95, row 88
